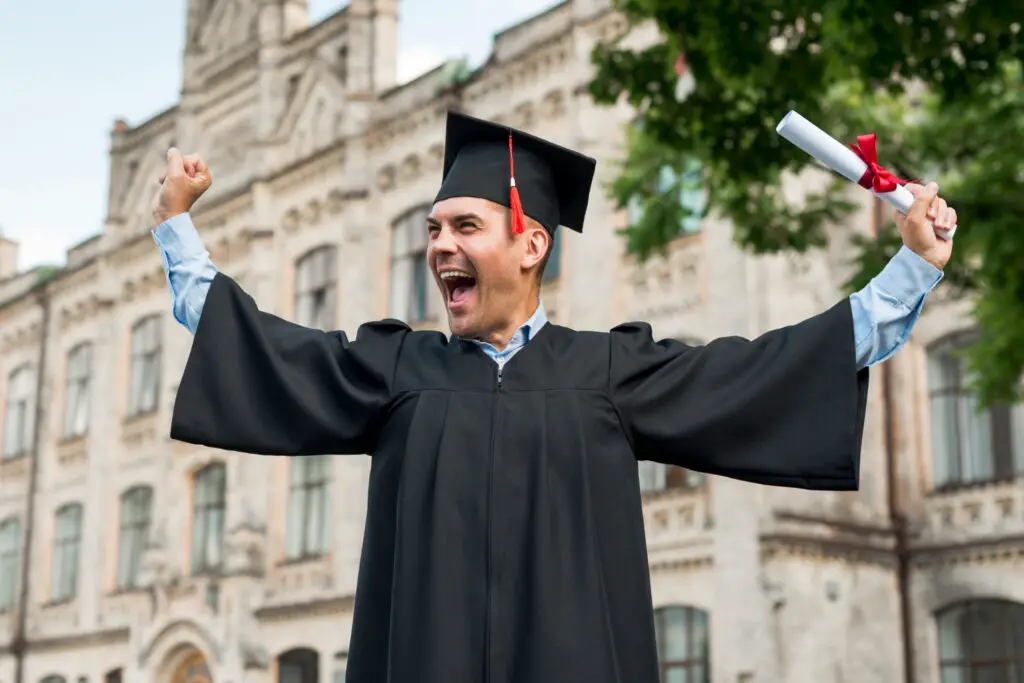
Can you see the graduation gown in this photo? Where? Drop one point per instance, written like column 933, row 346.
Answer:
column 504, row 538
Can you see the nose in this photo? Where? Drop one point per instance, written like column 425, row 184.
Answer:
column 443, row 241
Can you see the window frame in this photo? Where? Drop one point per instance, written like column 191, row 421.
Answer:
column 205, row 516
column 408, row 274
column 309, row 485
column 953, row 462
column 694, row 619
column 77, row 386
column 1008, row 612
column 23, row 400
column 150, row 357
column 306, row 659
column 10, row 561
column 64, row 588
column 316, row 274
column 138, row 531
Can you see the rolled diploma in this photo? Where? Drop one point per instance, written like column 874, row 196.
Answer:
column 841, row 159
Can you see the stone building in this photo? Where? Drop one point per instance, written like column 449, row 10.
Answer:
column 142, row 559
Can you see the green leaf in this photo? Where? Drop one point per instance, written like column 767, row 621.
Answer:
column 845, row 66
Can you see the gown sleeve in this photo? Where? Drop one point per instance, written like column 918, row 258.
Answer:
column 259, row 384
column 785, row 409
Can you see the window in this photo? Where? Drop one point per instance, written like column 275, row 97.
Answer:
column 301, row 665
column 10, row 561
column 67, row 542
column 682, row 635
column 554, row 265
column 692, row 195
column 981, row 641
column 18, row 418
column 414, row 295
column 76, row 399
column 113, row 676
column 144, row 392
column 136, row 505
column 656, row 476
column 53, row 679
column 308, row 506
column 969, row 446
column 316, row 279
column 208, row 518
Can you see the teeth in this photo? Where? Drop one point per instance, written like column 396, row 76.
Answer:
column 448, row 275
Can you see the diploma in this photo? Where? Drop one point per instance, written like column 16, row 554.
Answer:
column 856, row 164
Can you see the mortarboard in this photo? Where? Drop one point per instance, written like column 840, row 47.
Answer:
column 531, row 176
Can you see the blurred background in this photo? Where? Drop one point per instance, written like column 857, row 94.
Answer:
column 125, row 556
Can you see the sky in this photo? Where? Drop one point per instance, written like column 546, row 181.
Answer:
column 69, row 68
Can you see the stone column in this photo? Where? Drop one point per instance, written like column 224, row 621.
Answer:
column 594, row 258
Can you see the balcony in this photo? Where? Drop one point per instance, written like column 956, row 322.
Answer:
column 14, row 469
column 664, row 289
column 299, row 580
column 54, row 619
column 677, row 523
column 73, row 453
column 972, row 515
column 127, row 608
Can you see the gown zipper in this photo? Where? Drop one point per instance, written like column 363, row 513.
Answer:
column 490, row 522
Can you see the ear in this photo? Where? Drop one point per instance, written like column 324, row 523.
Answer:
column 536, row 244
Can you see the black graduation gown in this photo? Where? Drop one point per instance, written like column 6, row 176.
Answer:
column 504, row 538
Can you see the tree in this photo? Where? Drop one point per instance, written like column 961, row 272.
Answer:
column 941, row 83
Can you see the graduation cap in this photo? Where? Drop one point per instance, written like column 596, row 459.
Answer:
column 530, row 176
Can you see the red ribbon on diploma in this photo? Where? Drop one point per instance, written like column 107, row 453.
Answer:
column 876, row 177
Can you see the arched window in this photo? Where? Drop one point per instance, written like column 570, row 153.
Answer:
column 981, row 640
column 147, row 344
column 682, row 635
column 136, row 508
column 308, row 506
column 208, row 507
column 76, row 394
column 413, row 293
column 692, row 193
column 67, row 542
column 10, row 561
column 53, row 678
column 316, row 282
column 18, row 417
column 301, row 665
column 968, row 445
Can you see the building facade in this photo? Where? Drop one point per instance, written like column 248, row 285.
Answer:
column 125, row 556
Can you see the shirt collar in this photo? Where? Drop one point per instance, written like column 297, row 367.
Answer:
column 526, row 331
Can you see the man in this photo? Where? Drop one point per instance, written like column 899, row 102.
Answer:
column 504, row 536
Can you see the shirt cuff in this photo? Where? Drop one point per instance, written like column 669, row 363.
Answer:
column 178, row 239
column 908, row 277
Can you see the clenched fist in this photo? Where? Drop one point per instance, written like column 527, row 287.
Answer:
column 181, row 184
column 928, row 213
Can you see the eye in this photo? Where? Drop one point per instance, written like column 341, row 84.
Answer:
column 467, row 225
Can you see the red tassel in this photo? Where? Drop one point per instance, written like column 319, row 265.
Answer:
column 518, row 219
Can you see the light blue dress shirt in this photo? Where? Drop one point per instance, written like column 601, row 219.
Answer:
column 884, row 312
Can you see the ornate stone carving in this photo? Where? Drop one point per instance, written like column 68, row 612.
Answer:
column 23, row 337
column 314, row 211
column 77, row 312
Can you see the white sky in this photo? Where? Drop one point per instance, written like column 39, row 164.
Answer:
column 69, row 68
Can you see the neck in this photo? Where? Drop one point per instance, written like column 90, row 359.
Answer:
column 500, row 336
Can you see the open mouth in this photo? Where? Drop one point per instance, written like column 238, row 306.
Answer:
column 459, row 285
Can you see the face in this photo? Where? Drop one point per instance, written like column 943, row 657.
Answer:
column 483, row 271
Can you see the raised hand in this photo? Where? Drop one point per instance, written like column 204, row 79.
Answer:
column 928, row 213
column 184, row 180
